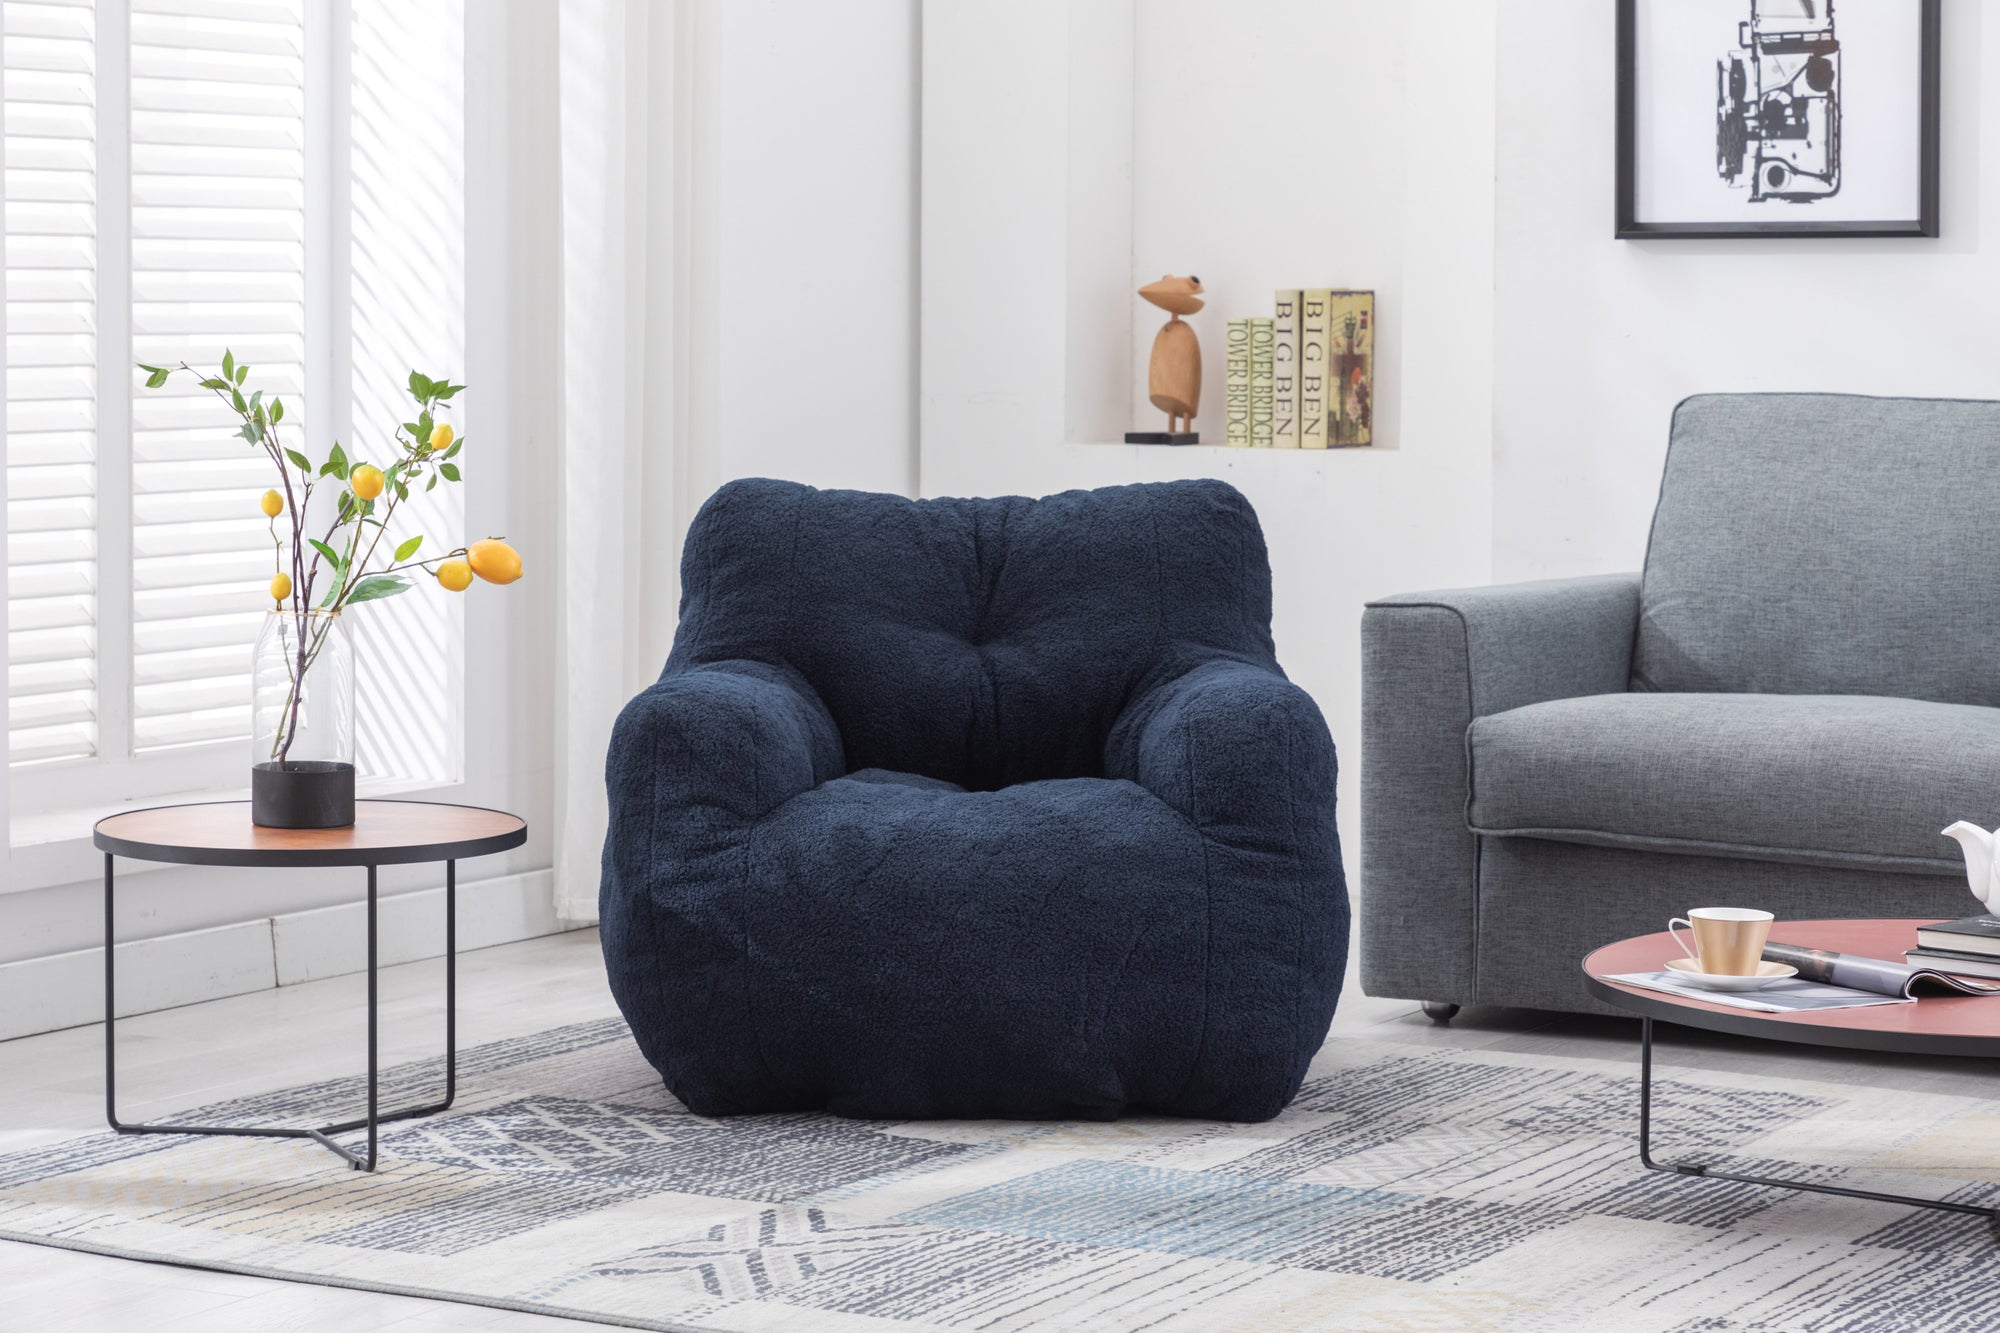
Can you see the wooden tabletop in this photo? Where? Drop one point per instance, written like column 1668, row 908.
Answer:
column 219, row 833
column 1959, row 1025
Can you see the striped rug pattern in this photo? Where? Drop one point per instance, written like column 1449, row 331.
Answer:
column 1408, row 1187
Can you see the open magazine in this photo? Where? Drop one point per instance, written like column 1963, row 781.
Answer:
column 1826, row 980
column 1878, row 975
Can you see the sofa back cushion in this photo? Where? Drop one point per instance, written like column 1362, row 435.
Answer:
column 985, row 641
column 1826, row 544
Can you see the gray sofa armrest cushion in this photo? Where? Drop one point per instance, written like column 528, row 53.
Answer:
column 1431, row 663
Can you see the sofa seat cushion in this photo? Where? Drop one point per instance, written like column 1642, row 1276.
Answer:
column 1834, row 780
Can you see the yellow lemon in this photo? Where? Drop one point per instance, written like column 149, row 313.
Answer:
column 281, row 586
column 455, row 575
column 272, row 504
column 366, row 481
column 441, row 437
column 494, row 560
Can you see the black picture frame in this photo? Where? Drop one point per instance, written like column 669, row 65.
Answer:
column 1629, row 227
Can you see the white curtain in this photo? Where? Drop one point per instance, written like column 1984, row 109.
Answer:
column 617, row 63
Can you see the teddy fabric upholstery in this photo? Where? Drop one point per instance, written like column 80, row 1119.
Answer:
column 975, row 807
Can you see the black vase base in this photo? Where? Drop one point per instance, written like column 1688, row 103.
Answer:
column 301, row 793
column 1163, row 437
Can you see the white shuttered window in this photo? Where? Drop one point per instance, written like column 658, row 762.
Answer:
column 184, row 176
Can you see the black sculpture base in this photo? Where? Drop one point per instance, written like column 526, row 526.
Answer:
column 302, row 793
column 1163, row 437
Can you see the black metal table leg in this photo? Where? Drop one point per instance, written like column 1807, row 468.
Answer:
column 1687, row 1168
column 375, row 1119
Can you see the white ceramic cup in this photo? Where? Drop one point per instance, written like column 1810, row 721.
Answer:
column 1728, row 941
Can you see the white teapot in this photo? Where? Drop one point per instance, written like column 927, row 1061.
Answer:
column 1982, row 867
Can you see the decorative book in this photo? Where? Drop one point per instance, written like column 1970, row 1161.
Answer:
column 1236, row 385
column 1350, row 369
column 1972, row 934
column 1313, row 331
column 1961, row 964
column 1285, row 371
column 1261, row 338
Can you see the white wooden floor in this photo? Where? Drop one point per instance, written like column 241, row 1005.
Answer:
column 51, row 1088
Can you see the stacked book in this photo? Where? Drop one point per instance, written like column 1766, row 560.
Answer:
column 1304, row 378
column 1969, row 947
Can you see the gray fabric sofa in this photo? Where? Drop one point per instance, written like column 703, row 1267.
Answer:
column 1782, row 711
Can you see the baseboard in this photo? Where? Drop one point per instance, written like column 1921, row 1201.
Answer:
column 67, row 989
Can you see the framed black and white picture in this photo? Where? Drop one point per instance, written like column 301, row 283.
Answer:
column 1777, row 118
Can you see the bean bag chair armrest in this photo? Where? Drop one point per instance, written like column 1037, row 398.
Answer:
column 1232, row 746
column 735, row 740
column 1245, row 757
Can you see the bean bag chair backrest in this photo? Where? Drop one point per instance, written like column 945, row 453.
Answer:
column 984, row 641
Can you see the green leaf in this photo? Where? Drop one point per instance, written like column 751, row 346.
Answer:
column 346, row 506
column 450, row 471
column 337, row 460
column 409, row 548
column 277, row 410
column 145, row 367
column 424, row 427
column 431, row 485
column 300, row 461
column 448, row 392
column 156, row 379
column 228, row 364
column 236, row 399
column 332, row 592
column 242, row 373
column 377, row 586
column 420, row 386
column 257, row 404
column 456, row 445
column 402, row 491
column 214, row 384
column 332, row 555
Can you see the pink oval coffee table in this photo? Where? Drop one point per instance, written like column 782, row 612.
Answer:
column 1968, row 1025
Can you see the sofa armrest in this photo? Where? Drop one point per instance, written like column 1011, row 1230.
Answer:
column 1431, row 663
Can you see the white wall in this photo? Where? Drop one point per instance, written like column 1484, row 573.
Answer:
column 806, row 127
column 1596, row 339
column 1075, row 151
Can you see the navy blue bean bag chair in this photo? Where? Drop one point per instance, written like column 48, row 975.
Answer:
column 975, row 808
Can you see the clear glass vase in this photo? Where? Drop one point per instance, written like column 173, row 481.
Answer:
column 302, row 722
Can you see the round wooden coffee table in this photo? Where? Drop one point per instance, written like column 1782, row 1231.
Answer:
column 383, row 833
column 1959, row 1025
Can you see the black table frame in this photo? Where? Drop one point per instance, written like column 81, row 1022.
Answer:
column 371, row 859
column 1742, row 1023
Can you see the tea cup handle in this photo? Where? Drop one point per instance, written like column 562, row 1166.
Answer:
column 1693, row 957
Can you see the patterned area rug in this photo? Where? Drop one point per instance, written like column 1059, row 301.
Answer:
column 1408, row 1187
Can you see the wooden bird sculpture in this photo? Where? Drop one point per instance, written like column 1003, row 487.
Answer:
column 1173, row 380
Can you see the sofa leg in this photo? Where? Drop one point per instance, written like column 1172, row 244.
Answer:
column 1439, row 1012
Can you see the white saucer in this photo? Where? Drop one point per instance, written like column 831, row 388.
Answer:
column 1766, row 974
